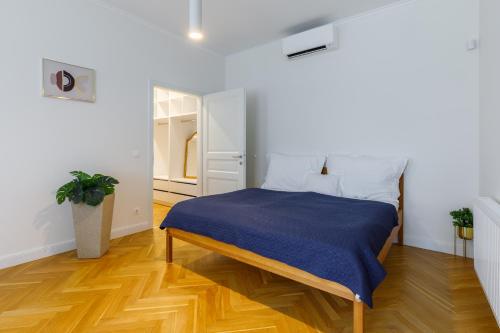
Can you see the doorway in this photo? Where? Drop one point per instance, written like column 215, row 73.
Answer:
column 197, row 145
column 176, row 174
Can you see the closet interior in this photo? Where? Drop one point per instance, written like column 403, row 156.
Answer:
column 177, row 149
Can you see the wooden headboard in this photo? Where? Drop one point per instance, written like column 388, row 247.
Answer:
column 401, row 192
column 397, row 233
column 401, row 209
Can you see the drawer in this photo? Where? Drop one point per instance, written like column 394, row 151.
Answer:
column 169, row 198
column 161, row 185
column 183, row 188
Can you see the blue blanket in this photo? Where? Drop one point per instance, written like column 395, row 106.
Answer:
column 335, row 238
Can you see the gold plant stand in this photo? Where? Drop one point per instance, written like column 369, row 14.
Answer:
column 465, row 234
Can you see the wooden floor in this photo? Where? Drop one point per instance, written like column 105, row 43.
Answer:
column 159, row 213
column 131, row 289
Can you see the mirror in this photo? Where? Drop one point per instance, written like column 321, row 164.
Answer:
column 190, row 158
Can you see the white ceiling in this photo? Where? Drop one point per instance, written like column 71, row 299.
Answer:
column 234, row 25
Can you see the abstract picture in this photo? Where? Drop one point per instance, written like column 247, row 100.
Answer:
column 66, row 81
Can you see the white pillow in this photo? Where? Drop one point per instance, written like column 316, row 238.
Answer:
column 369, row 177
column 289, row 172
column 324, row 184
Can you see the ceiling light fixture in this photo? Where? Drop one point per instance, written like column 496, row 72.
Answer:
column 195, row 17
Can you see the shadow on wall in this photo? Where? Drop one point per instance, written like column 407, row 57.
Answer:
column 53, row 221
column 256, row 118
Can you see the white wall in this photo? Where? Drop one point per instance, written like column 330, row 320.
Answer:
column 402, row 83
column 42, row 139
column 489, row 124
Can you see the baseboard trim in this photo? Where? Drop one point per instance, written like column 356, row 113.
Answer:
column 440, row 246
column 56, row 248
column 36, row 253
column 129, row 230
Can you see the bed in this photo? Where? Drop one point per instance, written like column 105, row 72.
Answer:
column 330, row 243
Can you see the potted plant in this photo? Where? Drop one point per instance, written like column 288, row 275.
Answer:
column 92, row 199
column 464, row 222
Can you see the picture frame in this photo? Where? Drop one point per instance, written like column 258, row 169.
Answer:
column 65, row 81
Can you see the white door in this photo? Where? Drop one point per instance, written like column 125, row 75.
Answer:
column 224, row 142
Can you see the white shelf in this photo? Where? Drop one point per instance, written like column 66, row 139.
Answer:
column 185, row 180
column 164, row 103
column 185, row 116
column 161, row 121
column 161, row 109
column 161, row 177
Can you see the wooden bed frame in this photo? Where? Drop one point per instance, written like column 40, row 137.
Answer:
column 287, row 271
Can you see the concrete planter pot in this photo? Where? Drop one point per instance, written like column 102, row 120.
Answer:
column 93, row 227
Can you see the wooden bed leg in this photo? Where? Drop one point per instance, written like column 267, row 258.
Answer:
column 169, row 250
column 401, row 235
column 359, row 317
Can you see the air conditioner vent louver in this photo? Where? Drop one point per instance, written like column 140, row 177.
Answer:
column 306, row 52
column 312, row 41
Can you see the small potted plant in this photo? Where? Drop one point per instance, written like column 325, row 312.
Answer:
column 92, row 200
column 464, row 222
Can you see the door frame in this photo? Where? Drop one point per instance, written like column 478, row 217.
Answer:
column 152, row 83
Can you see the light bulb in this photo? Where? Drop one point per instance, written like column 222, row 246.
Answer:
column 196, row 35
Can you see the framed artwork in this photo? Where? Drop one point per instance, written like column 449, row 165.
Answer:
column 66, row 81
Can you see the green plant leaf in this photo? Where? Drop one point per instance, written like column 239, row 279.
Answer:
column 463, row 218
column 80, row 175
column 113, row 181
column 107, row 183
column 86, row 188
column 94, row 196
column 105, row 180
column 77, row 194
column 88, row 183
column 108, row 189
column 64, row 191
column 60, row 197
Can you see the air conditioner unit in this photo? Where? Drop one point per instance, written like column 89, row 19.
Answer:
column 311, row 41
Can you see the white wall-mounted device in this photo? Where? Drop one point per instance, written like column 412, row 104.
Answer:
column 472, row 44
column 319, row 39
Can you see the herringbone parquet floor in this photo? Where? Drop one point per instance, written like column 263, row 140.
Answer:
column 131, row 289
